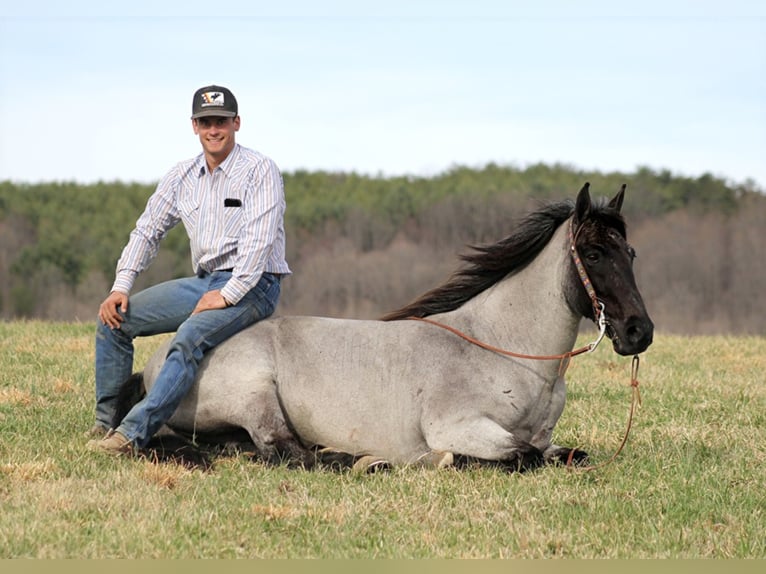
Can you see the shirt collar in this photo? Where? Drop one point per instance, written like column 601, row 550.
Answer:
column 226, row 166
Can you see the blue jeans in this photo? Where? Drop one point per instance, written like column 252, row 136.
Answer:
column 165, row 308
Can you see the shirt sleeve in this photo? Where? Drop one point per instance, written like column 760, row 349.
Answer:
column 264, row 213
column 159, row 217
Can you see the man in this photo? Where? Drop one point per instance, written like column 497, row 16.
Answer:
column 231, row 201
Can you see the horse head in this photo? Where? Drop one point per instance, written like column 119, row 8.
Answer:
column 600, row 241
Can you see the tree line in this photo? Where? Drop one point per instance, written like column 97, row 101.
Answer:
column 361, row 245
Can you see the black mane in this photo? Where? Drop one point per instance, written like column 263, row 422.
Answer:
column 488, row 264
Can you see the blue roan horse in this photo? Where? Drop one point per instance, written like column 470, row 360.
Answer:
column 407, row 391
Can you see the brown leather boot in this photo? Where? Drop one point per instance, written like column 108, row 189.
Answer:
column 113, row 443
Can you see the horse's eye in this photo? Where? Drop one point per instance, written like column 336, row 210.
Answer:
column 592, row 257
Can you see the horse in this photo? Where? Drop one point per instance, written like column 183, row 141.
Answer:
column 430, row 382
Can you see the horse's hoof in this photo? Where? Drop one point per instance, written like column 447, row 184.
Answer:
column 566, row 456
column 368, row 464
column 577, row 457
column 436, row 459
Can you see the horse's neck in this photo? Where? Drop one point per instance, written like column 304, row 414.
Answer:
column 527, row 312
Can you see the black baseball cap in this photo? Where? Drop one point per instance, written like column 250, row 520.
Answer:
column 214, row 101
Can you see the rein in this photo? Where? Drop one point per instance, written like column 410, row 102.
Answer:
column 563, row 357
column 600, row 317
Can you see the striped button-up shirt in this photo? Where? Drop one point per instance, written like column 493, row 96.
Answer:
column 234, row 217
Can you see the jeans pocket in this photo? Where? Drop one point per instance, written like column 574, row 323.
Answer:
column 263, row 298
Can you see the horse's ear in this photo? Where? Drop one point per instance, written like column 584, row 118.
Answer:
column 582, row 205
column 616, row 202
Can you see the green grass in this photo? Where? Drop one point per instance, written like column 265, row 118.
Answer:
column 689, row 484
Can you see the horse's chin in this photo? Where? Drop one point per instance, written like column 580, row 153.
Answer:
column 625, row 351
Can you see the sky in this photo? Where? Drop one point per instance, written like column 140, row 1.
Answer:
column 95, row 90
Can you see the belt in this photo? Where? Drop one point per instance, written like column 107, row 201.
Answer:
column 202, row 273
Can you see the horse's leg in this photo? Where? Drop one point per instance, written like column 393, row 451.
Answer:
column 482, row 440
column 553, row 453
column 369, row 464
column 263, row 419
column 334, row 459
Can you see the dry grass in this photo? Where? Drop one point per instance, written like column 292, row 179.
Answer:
column 690, row 483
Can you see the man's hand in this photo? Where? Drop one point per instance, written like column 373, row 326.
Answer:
column 210, row 300
column 107, row 312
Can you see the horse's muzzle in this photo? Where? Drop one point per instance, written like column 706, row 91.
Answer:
column 633, row 336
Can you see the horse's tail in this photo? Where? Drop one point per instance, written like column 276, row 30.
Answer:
column 130, row 393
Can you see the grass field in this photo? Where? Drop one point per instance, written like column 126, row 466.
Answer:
column 689, row 484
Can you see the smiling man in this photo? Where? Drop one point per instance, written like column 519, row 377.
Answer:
column 231, row 201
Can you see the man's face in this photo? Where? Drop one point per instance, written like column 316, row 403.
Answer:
column 216, row 134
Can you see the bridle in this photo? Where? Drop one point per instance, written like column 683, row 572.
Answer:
column 599, row 314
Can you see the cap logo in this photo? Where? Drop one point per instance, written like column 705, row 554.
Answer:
column 212, row 99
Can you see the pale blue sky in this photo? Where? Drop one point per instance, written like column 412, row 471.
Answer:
column 102, row 90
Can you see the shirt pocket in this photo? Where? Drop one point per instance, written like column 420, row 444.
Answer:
column 189, row 210
column 232, row 218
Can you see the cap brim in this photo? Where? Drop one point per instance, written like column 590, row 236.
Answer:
column 213, row 113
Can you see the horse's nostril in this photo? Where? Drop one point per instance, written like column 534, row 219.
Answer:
column 639, row 332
